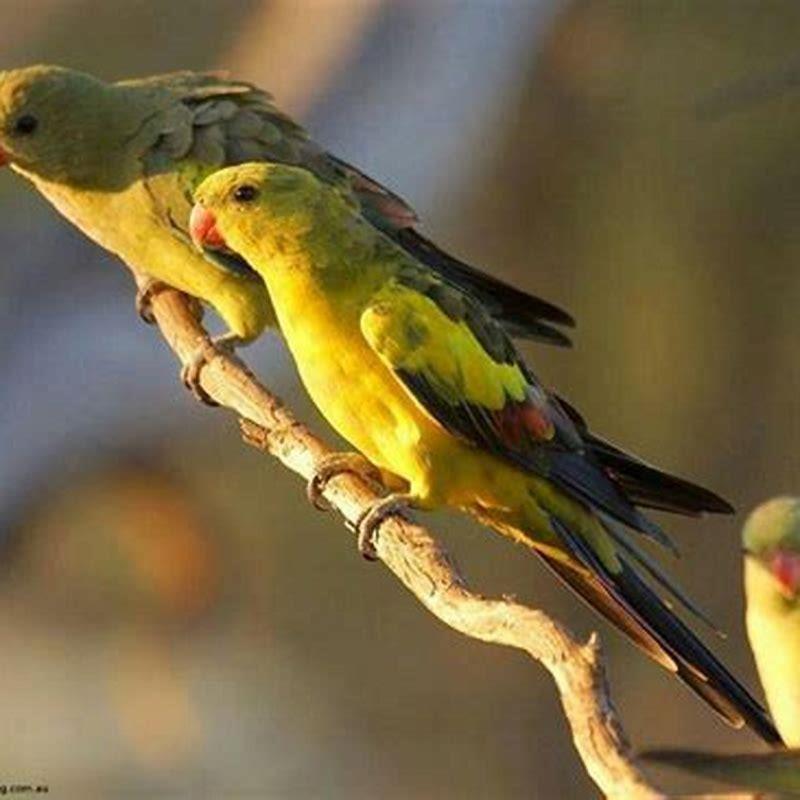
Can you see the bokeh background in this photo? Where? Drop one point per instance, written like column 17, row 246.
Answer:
column 175, row 621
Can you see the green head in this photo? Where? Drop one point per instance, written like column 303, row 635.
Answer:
column 64, row 126
column 278, row 217
column 771, row 537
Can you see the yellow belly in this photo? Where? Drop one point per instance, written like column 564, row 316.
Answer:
column 773, row 627
column 127, row 223
column 368, row 405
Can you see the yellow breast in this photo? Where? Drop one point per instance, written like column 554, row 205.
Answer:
column 356, row 392
column 131, row 225
column 773, row 627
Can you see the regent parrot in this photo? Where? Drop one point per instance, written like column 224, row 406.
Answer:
column 771, row 541
column 422, row 380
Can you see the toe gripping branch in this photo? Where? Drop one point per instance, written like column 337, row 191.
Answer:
column 326, row 470
column 207, row 349
column 370, row 521
column 368, row 526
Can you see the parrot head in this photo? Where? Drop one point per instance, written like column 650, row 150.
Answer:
column 62, row 125
column 771, row 539
column 263, row 206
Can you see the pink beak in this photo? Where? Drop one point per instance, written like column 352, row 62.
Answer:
column 785, row 566
column 203, row 228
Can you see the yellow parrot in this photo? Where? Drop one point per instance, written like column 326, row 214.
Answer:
column 429, row 388
column 771, row 540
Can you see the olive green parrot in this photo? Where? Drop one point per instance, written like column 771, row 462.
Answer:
column 120, row 161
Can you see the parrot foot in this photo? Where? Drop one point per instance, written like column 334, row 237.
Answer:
column 144, row 299
column 335, row 464
column 368, row 526
column 208, row 348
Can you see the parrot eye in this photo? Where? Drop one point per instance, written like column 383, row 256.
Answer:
column 245, row 194
column 26, row 125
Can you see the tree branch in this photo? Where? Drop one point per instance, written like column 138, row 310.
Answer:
column 423, row 566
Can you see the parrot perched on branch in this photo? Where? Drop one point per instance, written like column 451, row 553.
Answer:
column 425, row 383
column 120, row 161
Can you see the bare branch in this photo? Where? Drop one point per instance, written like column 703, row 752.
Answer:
column 422, row 565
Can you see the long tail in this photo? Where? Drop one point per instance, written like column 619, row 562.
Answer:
column 643, row 484
column 626, row 601
column 649, row 487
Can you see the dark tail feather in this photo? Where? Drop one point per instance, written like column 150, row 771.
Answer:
column 630, row 604
column 523, row 315
column 643, row 484
column 649, row 487
column 623, row 538
column 584, row 478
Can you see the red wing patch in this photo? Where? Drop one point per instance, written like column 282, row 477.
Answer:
column 389, row 205
column 517, row 422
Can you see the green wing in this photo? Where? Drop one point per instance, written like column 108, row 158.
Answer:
column 212, row 122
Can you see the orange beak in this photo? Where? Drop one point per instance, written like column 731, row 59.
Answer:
column 203, row 228
column 4, row 159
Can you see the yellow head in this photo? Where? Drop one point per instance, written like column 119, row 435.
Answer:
column 771, row 541
column 280, row 218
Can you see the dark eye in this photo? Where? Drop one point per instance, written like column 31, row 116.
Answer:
column 26, row 125
column 245, row 194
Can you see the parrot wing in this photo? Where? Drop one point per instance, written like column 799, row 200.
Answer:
column 212, row 122
column 524, row 316
column 461, row 368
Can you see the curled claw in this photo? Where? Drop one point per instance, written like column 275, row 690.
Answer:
column 150, row 289
column 335, row 464
column 367, row 527
column 206, row 350
column 144, row 299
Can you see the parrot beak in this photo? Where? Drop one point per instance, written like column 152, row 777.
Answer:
column 4, row 159
column 203, row 229
column 785, row 567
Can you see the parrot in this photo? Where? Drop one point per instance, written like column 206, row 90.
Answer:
column 771, row 543
column 428, row 387
column 120, row 161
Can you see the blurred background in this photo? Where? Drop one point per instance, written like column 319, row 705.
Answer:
column 175, row 620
